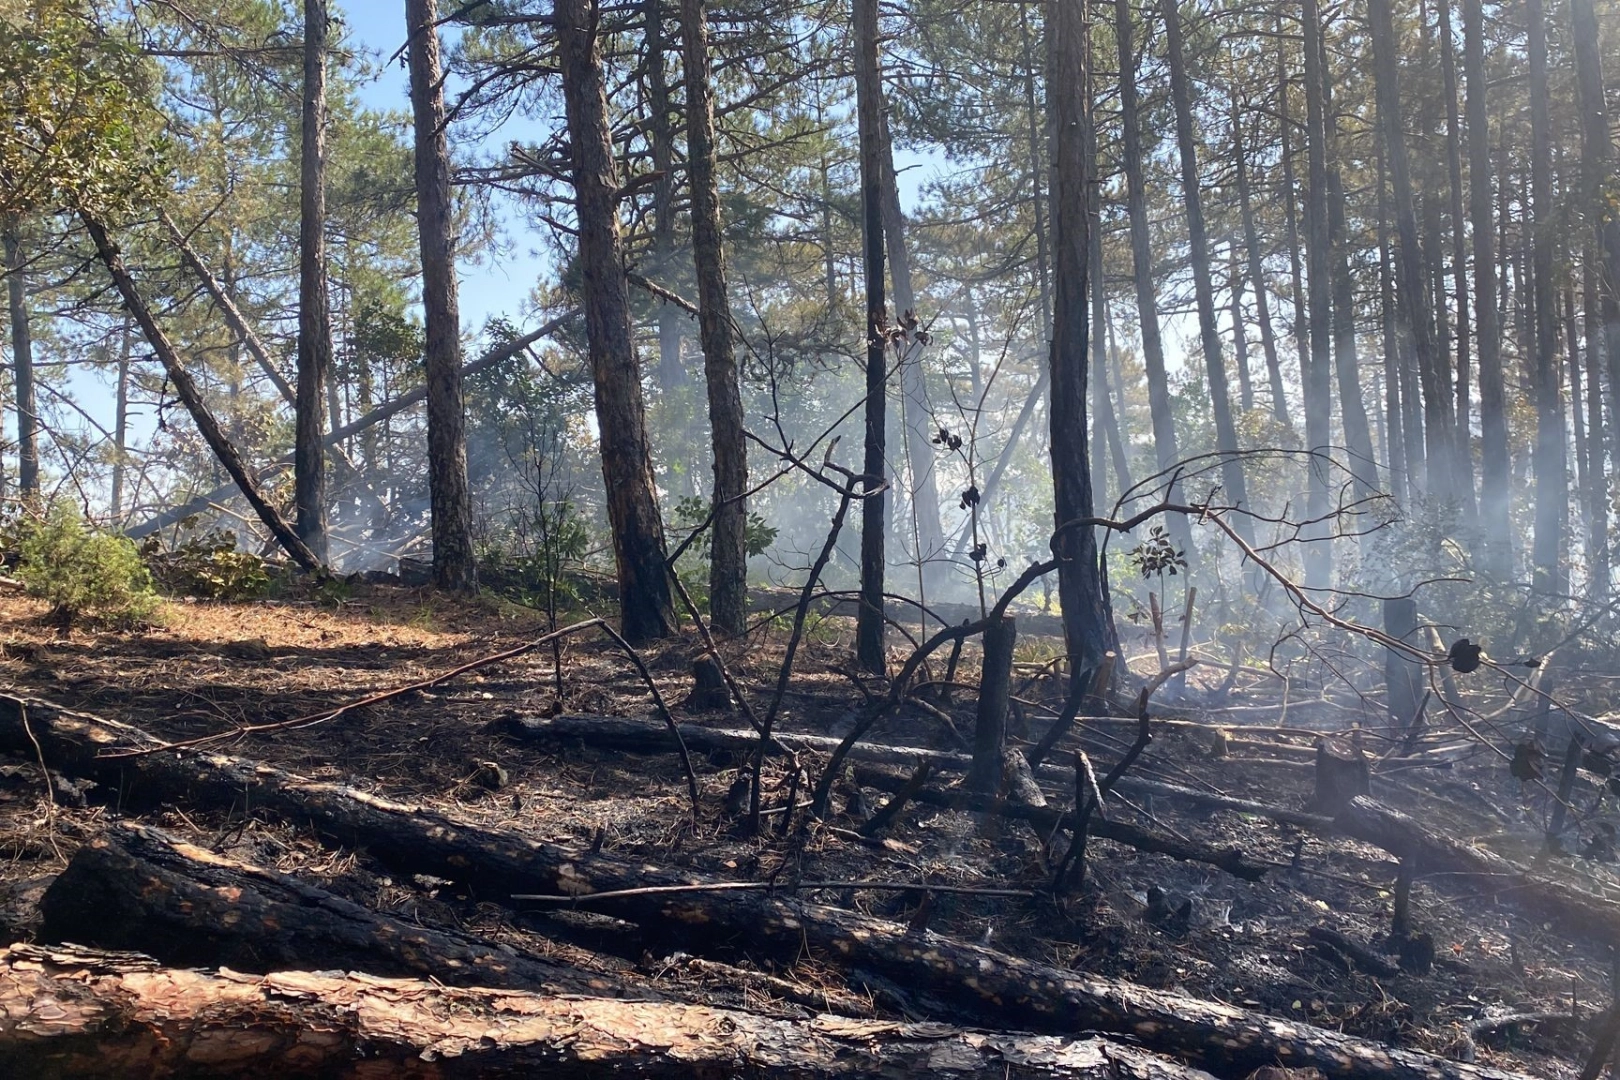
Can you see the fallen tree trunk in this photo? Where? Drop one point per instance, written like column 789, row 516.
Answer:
column 68, row 1013
column 1047, row 820
column 639, row 736
column 144, row 890
column 978, row 984
column 1572, row 910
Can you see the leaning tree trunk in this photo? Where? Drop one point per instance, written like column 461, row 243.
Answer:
column 868, row 105
column 728, row 566
column 638, row 531
column 186, row 388
column 22, row 360
column 1086, row 615
column 1236, row 492
column 1548, row 453
column 314, row 320
column 922, row 492
column 455, row 564
column 1147, row 301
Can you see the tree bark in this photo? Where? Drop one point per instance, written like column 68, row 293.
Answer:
column 1602, row 272
column 186, row 388
column 1549, row 453
column 121, row 424
column 1147, row 301
column 22, row 361
column 314, row 319
column 728, row 554
column 71, row 1013
column 1236, row 490
column 140, row 888
column 1087, row 619
column 1459, row 258
column 661, row 137
column 1394, row 416
column 869, row 650
column 1352, row 405
column 455, row 563
column 1316, row 377
column 638, row 530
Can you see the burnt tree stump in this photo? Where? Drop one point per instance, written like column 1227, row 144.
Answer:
column 1341, row 774
column 995, row 688
column 709, row 690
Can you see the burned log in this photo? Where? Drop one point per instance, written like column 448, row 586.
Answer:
column 69, row 1013
column 142, row 889
column 975, row 984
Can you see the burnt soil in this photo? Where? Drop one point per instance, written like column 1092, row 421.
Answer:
column 212, row 668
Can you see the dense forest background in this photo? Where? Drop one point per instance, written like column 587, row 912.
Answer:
column 1343, row 277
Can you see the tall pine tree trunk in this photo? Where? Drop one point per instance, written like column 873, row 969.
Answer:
column 1549, row 454
column 1257, row 277
column 1316, row 376
column 923, row 490
column 1086, row 616
column 1459, row 259
column 869, row 649
column 1147, row 301
column 454, row 561
column 1232, row 477
column 1352, row 407
column 661, row 136
column 314, row 321
column 1602, row 288
column 22, row 360
column 728, row 566
column 1412, row 281
column 638, row 530
column 121, row 423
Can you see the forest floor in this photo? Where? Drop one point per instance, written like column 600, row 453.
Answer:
column 213, row 668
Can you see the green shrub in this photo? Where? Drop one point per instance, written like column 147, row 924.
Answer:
column 81, row 570
column 208, row 565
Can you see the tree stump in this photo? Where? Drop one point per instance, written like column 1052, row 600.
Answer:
column 1401, row 675
column 995, row 686
column 1341, row 774
column 709, row 690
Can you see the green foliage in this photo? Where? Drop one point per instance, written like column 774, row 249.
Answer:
column 693, row 510
column 533, row 565
column 1157, row 555
column 207, row 565
column 83, row 571
column 79, row 133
